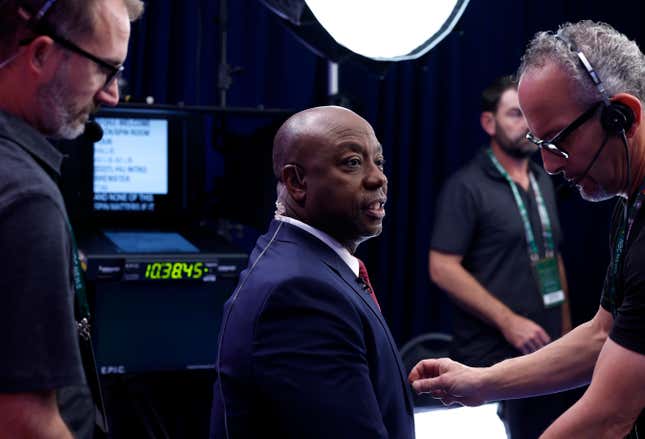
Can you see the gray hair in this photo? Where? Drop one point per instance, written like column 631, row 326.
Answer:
column 74, row 19
column 617, row 60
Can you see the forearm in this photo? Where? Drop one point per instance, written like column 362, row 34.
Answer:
column 467, row 292
column 32, row 415
column 613, row 400
column 588, row 420
column 566, row 310
column 566, row 363
column 53, row 428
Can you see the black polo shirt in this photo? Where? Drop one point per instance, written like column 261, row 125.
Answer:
column 477, row 218
column 628, row 329
column 39, row 342
column 629, row 323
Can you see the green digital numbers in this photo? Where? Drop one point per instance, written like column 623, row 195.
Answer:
column 174, row 270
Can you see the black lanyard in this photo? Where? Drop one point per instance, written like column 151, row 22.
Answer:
column 80, row 292
column 85, row 337
column 624, row 229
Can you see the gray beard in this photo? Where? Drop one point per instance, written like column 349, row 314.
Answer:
column 59, row 123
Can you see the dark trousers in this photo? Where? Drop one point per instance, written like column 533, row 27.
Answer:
column 528, row 418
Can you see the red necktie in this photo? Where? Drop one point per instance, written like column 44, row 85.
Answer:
column 362, row 274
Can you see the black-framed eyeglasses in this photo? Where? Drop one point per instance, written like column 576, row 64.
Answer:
column 551, row 145
column 111, row 71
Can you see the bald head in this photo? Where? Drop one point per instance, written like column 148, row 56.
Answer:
column 329, row 164
column 302, row 133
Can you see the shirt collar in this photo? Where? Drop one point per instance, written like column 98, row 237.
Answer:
column 29, row 139
column 345, row 255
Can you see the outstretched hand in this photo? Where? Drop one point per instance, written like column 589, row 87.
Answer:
column 449, row 381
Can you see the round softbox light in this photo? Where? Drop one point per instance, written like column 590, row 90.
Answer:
column 381, row 30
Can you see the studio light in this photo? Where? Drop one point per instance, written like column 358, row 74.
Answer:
column 388, row 29
column 381, row 30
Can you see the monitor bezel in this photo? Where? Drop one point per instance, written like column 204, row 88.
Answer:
column 172, row 207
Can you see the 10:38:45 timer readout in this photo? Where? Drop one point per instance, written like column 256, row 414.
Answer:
column 175, row 270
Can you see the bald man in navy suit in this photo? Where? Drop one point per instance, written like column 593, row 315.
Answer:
column 304, row 351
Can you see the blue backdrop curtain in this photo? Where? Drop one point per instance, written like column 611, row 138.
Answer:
column 425, row 113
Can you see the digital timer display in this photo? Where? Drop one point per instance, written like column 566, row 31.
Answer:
column 175, row 270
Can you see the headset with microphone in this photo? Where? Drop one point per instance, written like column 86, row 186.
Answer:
column 616, row 118
column 93, row 131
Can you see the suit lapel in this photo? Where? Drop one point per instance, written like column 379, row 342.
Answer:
column 333, row 261
column 348, row 276
column 340, row 268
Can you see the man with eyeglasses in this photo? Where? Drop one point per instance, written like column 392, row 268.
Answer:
column 496, row 225
column 59, row 60
column 582, row 92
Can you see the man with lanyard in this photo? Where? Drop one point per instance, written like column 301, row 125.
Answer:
column 582, row 91
column 59, row 60
column 494, row 252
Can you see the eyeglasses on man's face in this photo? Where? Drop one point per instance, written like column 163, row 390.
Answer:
column 111, row 72
column 551, row 145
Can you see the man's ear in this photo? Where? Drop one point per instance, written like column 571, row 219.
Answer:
column 294, row 181
column 487, row 120
column 634, row 104
column 38, row 53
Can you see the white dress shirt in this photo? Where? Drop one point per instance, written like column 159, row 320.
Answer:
column 345, row 255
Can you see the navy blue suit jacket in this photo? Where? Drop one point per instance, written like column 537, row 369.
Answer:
column 304, row 352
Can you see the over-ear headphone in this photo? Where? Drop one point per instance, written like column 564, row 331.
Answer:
column 616, row 117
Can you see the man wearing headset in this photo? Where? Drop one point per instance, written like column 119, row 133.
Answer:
column 582, row 92
column 304, row 351
column 59, row 60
